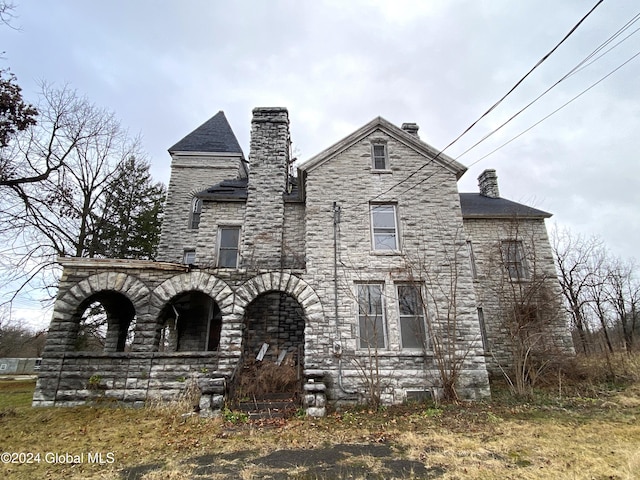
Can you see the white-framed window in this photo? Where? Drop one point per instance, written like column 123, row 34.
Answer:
column 379, row 156
column 472, row 260
column 228, row 246
column 371, row 318
column 189, row 256
column 384, row 227
column 413, row 331
column 196, row 211
column 514, row 259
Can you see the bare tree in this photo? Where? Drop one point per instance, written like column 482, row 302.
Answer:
column 624, row 295
column 439, row 279
column 72, row 155
column 575, row 264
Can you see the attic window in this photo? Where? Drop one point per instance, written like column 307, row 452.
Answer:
column 196, row 211
column 379, row 157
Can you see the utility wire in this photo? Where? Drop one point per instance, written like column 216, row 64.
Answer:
column 556, row 110
column 511, row 90
column 579, row 67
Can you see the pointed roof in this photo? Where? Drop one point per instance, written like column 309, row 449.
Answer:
column 214, row 135
column 390, row 129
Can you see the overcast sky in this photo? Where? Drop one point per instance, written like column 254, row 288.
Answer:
column 164, row 67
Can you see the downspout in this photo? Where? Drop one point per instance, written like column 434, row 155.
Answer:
column 337, row 346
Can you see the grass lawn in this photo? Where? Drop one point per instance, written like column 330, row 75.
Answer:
column 548, row 437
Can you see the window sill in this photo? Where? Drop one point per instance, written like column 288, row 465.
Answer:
column 385, row 171
column 385, row 253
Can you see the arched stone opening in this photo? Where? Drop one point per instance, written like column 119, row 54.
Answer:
column 273, row 346
column 190, row 321
column 104, row 321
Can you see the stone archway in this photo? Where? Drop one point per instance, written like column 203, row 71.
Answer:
column 278, row 311
column 105, row 287
column 189, row 310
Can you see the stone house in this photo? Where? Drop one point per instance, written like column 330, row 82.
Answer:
column 362, row 268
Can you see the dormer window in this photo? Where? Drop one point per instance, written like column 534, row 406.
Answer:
column 196, row 211
column 379, row 157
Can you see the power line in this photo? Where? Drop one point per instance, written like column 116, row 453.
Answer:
column 579, row 67
column 556, row 110
column 511, row 90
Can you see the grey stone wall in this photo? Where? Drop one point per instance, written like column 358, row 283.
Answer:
column 430, row 227
column 190, row 174
column 215, row 215
column 495, row 292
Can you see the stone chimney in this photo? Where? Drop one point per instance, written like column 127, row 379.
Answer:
column 411, row 128
column 488, row 182
column 268, row 170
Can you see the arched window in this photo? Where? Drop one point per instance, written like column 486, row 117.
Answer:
column 196, row 211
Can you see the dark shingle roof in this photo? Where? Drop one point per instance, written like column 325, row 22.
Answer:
column 214, row 135
column 236, row 190
column 230, row 190
column 475, row 205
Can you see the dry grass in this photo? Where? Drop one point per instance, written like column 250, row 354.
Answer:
column 555, row 435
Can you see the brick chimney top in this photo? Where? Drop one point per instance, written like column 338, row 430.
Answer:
column 411, row 128
column 488, row 182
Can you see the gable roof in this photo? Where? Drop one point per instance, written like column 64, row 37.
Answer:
column 214, row 136
column 474, row 205
column 393, row 131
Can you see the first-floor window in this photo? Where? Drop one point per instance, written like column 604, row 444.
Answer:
column 412, row 322
column 189, row 256
column 228, row 246
column 371, row 316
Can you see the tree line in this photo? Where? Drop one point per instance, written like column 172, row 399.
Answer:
column 601, row 293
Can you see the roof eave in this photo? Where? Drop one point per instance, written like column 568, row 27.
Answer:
column 397, row 133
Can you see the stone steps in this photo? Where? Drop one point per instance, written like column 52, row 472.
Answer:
column 274, row 405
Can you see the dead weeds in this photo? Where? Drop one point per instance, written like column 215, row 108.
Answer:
column 549, row 436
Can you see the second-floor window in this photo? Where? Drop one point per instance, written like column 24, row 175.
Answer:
column 196, row 211
column 384, row 228
column 472, row 260
column 228, row 246
column 514, row 259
